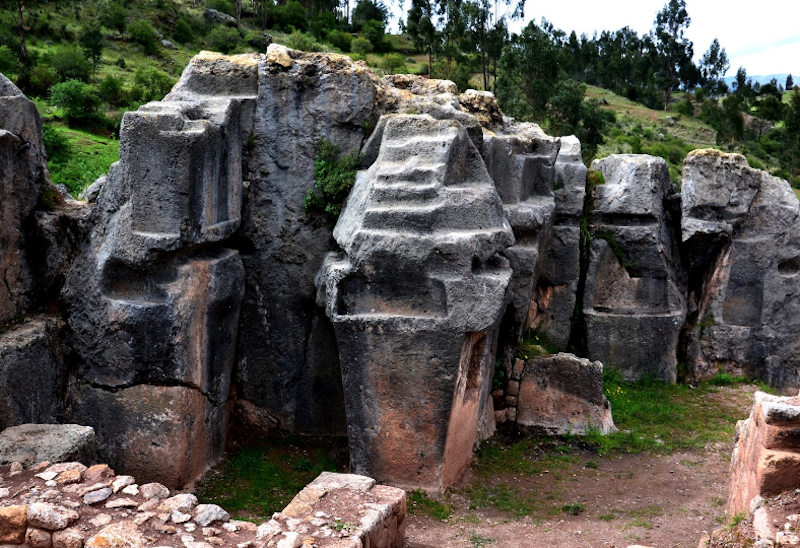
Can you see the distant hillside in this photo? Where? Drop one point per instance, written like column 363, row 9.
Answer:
column 781, row 78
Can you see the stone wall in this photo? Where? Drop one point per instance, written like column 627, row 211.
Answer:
column 766, row 458
column 68, row 505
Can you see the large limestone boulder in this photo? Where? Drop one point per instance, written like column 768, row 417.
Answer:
column 415, row 298
column 633, row 304
column 34, row 443
column 741, row 230
column 154, row 297
column 562, row 394
column 520, row 159
column 23, row 179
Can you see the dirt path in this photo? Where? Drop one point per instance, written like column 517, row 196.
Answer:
column 662, row 501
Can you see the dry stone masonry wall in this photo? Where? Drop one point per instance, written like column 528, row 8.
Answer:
column 70, row 505
column 195, row 292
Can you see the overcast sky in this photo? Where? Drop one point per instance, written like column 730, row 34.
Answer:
column 762, row 36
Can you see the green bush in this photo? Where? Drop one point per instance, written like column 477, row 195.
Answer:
column 221, row 5
column 111, row 91
column 394, row 63
column 78, row 99
column 69, row 64
column 8, row 61
column 302, row 41
column 360, row 45
column 42, row 79
column 685, row 107
column 56, row 144
column 340, row 39
column 153, row 84
column 141, row 32
column 114, row 18
column 334, row 176
column 182, row 31
column 224, row 39
column 291, row 16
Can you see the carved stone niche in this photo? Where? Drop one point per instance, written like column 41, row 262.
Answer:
column 415, row 299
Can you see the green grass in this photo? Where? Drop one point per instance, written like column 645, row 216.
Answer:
column 663, row 418
column 90, row 158
column 504, row 498
column 254, row 483
column 479, row 542
column 421, row 504
column 529, row 456
column 573, row 508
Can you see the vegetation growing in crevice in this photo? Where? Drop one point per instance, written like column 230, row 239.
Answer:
column 334, row 175
column 421, row 504
column 536, row 343
column 608, row 236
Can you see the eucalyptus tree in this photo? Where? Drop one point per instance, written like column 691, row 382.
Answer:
column 675, row 51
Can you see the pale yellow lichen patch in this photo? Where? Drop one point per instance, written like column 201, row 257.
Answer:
column 715, row 153
column 279, row 55
column 247, row 60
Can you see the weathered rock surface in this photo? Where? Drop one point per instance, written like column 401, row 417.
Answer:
column 741, row 229
column 287, row 362
column 415, row 298
column 31, row 356
column 634, row 301
column 342, row 510
column 559, row 273
column 154, row 297
column 562, row 394
column 23, row 179
column 766, row 457
column 33, row 443
column 520, row 159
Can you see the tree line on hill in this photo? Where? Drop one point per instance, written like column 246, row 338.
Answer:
column 539, row 74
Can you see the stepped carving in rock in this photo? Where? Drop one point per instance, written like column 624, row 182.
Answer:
column 415, row 298
column 634, row 305
column 741, row 230
column 154, row 298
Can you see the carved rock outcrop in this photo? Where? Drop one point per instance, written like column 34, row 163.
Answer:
column 634, row 304
column 23, row 179
column 561, row 264
column 741, row 230
column 415, row 299
column 154, row 297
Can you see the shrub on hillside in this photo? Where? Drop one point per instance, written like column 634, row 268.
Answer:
column 182, row 32
column 155, row 83
column 8, row 60
column 111, row 91
column 224, row 39
column 143, row 33
column 302, row 41
column 69, row 64
column 221, row 5
column 114, row 18
column 42, row 78
column 394, row 63
column 360, row 45
column 78, row 99
column 56, row 144
column 340, row 39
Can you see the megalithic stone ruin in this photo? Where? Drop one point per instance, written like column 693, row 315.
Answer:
column 415, row 299
column 196, row 291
